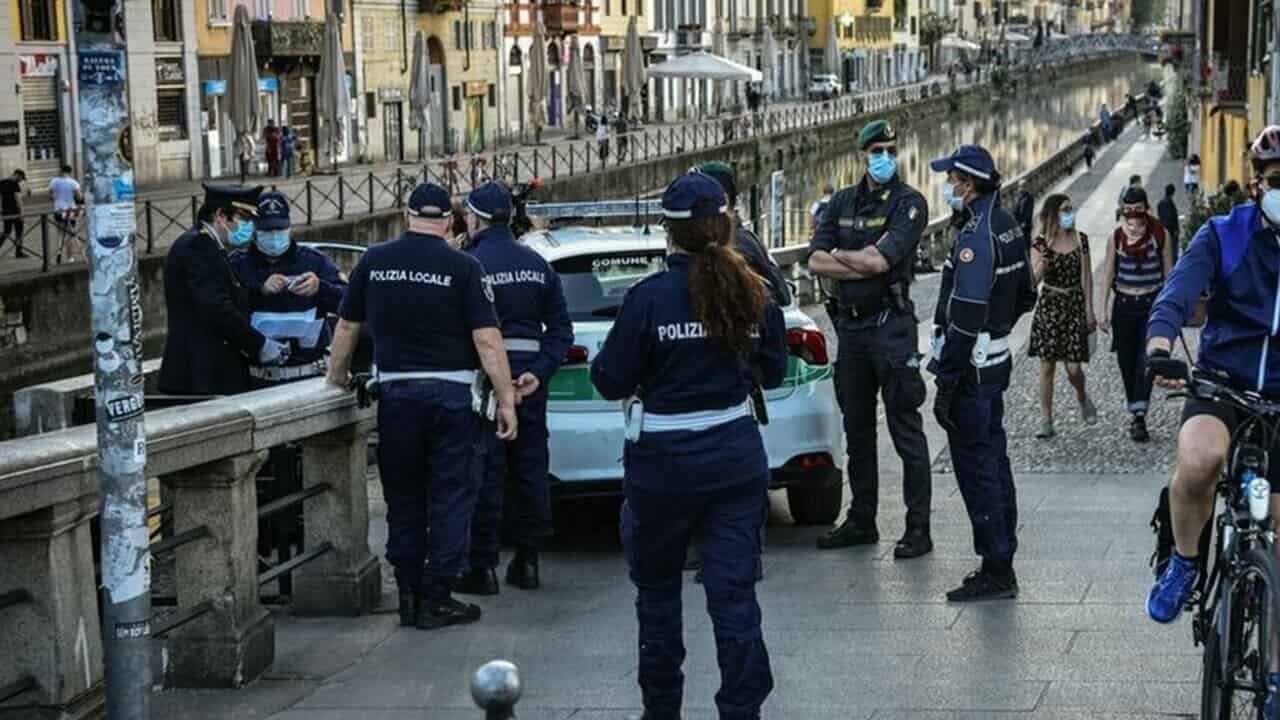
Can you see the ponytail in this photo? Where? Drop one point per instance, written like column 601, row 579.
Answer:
column 725, row 294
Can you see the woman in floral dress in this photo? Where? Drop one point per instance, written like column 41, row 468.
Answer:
column 1064, row 315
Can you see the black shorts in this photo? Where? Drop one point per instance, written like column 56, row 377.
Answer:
column 1232, row 418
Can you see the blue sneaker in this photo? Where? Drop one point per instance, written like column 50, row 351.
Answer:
column 1269, row 707
column 1172, row 589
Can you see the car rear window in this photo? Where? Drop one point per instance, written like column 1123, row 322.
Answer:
column 594, row 285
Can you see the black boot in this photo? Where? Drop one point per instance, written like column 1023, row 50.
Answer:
column 479, row 581
column 442, row 612
column 1138, row 428
column 914, row 543
column 523, row 570
column 410, row 604
column 848, row 535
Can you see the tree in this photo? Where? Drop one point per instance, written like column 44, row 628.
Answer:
column 1176, row 118
column 932, row 28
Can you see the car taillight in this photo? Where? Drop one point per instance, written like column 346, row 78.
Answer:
column 808, row 345
column 810, row 461
column 576, row 355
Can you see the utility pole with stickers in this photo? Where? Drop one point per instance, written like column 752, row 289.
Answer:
column 115, row 300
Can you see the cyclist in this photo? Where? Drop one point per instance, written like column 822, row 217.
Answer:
column 1236, row 258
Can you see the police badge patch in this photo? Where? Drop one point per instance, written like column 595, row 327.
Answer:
column 966, row 255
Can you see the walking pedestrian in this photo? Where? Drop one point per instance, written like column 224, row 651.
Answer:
column 537, row 333
column 602, row 140
column 986, row 285
column 1064, row 316
column 686, row 347
column 11, row 190
column 271, row 138
column 1104, row 120
column 433, row 324
column 867, row 243
column 67, row 207
column 246, row 152
column 1089, row 155
column 1191, row 177
column 1138, row 261
column 1135, row 181
column 287, row 142
column 1168, row 213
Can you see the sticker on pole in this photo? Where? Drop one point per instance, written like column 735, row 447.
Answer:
column 101, row 68
column 121, row 407
column 112, row 224
column 123, row 187
column 133, row 630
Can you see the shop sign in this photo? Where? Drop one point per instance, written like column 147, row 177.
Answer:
column 101, row 68
column 477, row 87
column 40, row 65
column 9, row 133
column 268, row 85
column 169, row 71
column 215, row 87
column 390, row 94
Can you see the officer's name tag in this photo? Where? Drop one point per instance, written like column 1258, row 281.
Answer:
column 518, row 276
column 411, row 276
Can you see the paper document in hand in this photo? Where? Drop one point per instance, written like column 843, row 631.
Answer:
column 303, row 326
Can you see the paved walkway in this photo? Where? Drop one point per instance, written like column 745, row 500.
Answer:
column 852, row 633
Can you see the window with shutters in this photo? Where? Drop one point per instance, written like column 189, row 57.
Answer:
column 262, row 9
column 366, row 33
column 457, row 34
column 217, row 11
column 166, row 20
column 171, row 113
column 301, row 8
column 37, row 20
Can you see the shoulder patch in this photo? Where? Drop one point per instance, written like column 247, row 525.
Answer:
column 966, row 255
column 487, row 283
column 913, row 212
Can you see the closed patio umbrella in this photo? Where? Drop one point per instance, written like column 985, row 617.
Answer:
column 717, row 48
column 420, row 94
column 535, row 84
column 242, row 80
column 332, row 99
column 831, row 53
column 633, row 69
column 768, row 63
column 802, row 64
column 576, row 82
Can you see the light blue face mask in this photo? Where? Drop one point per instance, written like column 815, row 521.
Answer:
column 241, row 236
column 949, row 197
column 272, row 243
column 1271, row 207
column 882, row 167
column 1067, row 220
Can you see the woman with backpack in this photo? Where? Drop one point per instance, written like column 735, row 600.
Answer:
column 1138, row 261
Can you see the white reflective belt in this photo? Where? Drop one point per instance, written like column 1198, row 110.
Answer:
column 696, row 421
column 466, row 377
column 521, row 345
column 997, row 352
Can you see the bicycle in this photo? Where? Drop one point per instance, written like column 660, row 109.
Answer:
column 1235, row 610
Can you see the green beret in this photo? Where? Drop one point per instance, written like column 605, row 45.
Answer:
column 722, row 173
column 876, row 131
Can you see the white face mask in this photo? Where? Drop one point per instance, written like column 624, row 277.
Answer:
column 1271, row 207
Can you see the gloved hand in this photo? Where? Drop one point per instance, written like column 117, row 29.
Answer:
column 942, row 405
column 366, row 388
column 273, row 352
column 1160, row 364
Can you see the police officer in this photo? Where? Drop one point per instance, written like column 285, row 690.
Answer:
column 296, row 284
column 432, row 317
column 986, row 286
column 745, row 241
column 694, row 461
column 867, row 242
column 537, row 334
column 210, row 339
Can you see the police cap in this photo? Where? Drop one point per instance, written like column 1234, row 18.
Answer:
column 876, row 131
column 970, row 159
column 232, row 198
column 491, row 201
column 722, row 173
column 692, row 196
column 273, row 211
column 429, row 200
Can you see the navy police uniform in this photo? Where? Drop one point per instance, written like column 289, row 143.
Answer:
column 422, row 299
column 537, row 333
column 986, row 286
column 695, row 469
column 879, row 346
column 264, row 259
column 209, row 338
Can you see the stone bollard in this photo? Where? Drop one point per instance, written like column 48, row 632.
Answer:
column 348, row 579
column 496, row 688
column 51, row 633
column 234, row 642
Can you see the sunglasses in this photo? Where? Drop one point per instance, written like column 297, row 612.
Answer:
column 891, row 151
column 1271, row 181
column 1134, row 213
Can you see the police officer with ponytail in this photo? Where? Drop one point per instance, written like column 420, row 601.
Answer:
column 866, row 242
column 682, row 356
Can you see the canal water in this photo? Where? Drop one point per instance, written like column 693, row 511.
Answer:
column 1021, row 132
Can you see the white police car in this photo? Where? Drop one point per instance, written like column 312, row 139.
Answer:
column 596, row 266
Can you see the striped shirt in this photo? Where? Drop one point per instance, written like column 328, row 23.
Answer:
column 1142, row 271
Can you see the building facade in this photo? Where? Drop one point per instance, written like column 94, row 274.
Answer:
column 865, row 36
column 564, row 24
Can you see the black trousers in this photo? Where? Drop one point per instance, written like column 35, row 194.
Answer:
column 13, row 226
column 1129, row 318
column 883, row 361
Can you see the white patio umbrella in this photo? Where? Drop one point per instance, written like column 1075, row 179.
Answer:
column 420, row 94
column 768, row 63
column 831, row 52
column 633, row 69
column 332, row 99
column 802, row 65
column 535, row 83
column 703, row 66
column 242, row 81
column 576, row 82
column 957, row 43
column 717, row 48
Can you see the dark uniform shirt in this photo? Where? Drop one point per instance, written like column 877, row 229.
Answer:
column 891, row 217
column 529, row 300
column 253, row 268
column 10, row 189
column 986, row 286
column 422, row 299
column 210, row 340
column 750, row 247
column 657, row 351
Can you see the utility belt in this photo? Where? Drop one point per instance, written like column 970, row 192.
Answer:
column 484, row 401
column 637, row 421
column 274, row 373
column 521, row 345
column 896, row 298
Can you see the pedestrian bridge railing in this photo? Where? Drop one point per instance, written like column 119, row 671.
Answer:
column 206, row 457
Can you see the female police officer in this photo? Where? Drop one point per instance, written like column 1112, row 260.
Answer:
column 686, row 347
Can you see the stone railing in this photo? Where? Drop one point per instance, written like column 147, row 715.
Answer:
column 206, row 456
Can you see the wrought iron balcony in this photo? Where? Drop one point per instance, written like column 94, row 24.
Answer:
column 294, row 38
column 441, row 6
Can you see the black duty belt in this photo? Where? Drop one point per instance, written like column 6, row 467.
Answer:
column 864, row 308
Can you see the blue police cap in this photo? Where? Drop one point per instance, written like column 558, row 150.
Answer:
column 694, row 195
column 491, row 201
column 233, row 198
column 971, row 159
column 273, row 211
column 430, row 201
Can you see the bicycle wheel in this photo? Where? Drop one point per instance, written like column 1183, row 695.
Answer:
column 1237, row 656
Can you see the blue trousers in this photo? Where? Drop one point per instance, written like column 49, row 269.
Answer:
column 526, row 461
column 656, row 530
column 979, row 454
column 430, row 450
